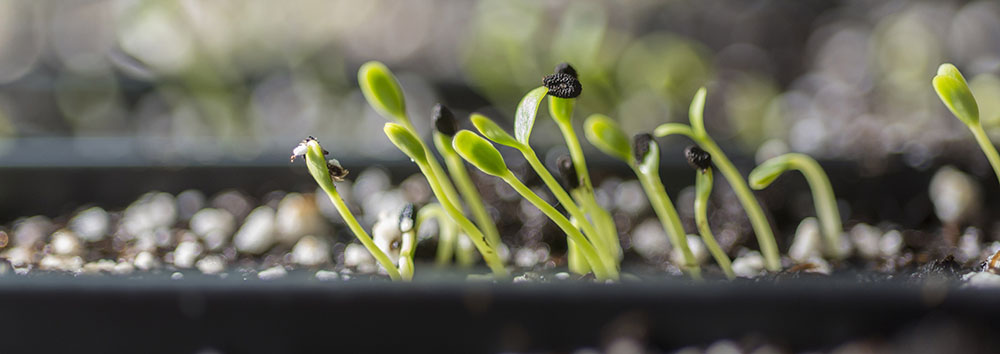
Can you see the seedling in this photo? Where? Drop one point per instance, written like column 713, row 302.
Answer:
column 954, row 91
column 407, row 223
column 701, row 161
column 445, row 128
column 480, row 153
column 447, row 235
column 383, row 92
column 696, row 132
column 643, row 156
column 822, row 191
column 492, row 131
column 325, row 173
column 563, row 87
column 411, row 146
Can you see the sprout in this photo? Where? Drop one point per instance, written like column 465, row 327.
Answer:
column 605, row 134
column 405, row 141
column 382, row 91
column 696, row 131
column 822, row 191
column 955, row 93
column 524, row 117
column 320, row 169
column 409, row 244
column 480, row 153
column 384, row 95
column 567, row 170
column 701, row 161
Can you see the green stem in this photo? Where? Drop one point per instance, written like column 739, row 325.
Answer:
column 589, row 252
column 488, row 252
column 406, row 251
column 359, row 231
column 561, row 110
column 456, row 167
column 703, row 188
column 765, row 237
column 987, row 146
column 671, row 222
column 823, row 199
column 566, row 200
column 446, row 231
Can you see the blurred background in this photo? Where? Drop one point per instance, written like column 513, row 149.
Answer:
column 92, row 83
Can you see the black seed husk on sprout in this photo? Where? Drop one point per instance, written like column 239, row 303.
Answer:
column 444, row 120
column 565, row 68
column 337, row 172
column 567, row 171
column 640, row 146
column 698, row 159
column 563, row 85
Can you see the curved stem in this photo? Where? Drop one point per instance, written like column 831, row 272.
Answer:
column 589, row 252
column 359, row 231
column 488, row 252
column 987, row 146
column 671, row 222
column 608, row 239
column 566, row 200
column 765, row 236
column 703, row 188
column 823, row 199
column 446, row 231
column 456, row 167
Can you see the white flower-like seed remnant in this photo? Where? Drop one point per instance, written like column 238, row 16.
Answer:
column 300, row 150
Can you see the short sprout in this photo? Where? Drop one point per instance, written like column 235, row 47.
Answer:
column 407, row 218
column 607, row 136
column 954, row 91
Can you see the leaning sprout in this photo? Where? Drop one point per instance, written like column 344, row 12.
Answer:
column 955, row 93
column 480, row 153
column 493, row 132
column 701, row 161
column 412, row 147
column 696, row 132
column 384, row 94
column 320, row 169
column 445, row 127
column 643, row 156
column 823, row 198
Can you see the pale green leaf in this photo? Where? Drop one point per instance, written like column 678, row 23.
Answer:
column 606, row 135
column 480, row 153
column 764, row 174
column 406, row 142
column 488, row 128
column 527, row 109
column 382, row 90
column 954, row 91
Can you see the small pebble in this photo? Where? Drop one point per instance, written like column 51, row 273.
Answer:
column 562, row 276
column 177, row 276
column 415, row 189
column 151, row 211
column 807, row 242
column 630, row 198
column 525, row 258
column 123, row 268
column 650, row 241
column 61, row 263
column 866, row 240
column 327, row 275
column 749, row 265
column 698, row 250
column 311, row 251
column 19, row 256
column 211, row 264
column 31, row 231
column 213, row 226
column 256, row 235
column 386, row 234
column 189, row 202
column 297, row 216
column 65, row 243
column 186, row 253
column 357, row 256
column 968, row 245
column 100, row 266
column 891, row 243
column 272, row 273
column 145, row 261
column 236, row 203
column 982, row 280
column 955, row 195
column 723, row 347
column 91, row 225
